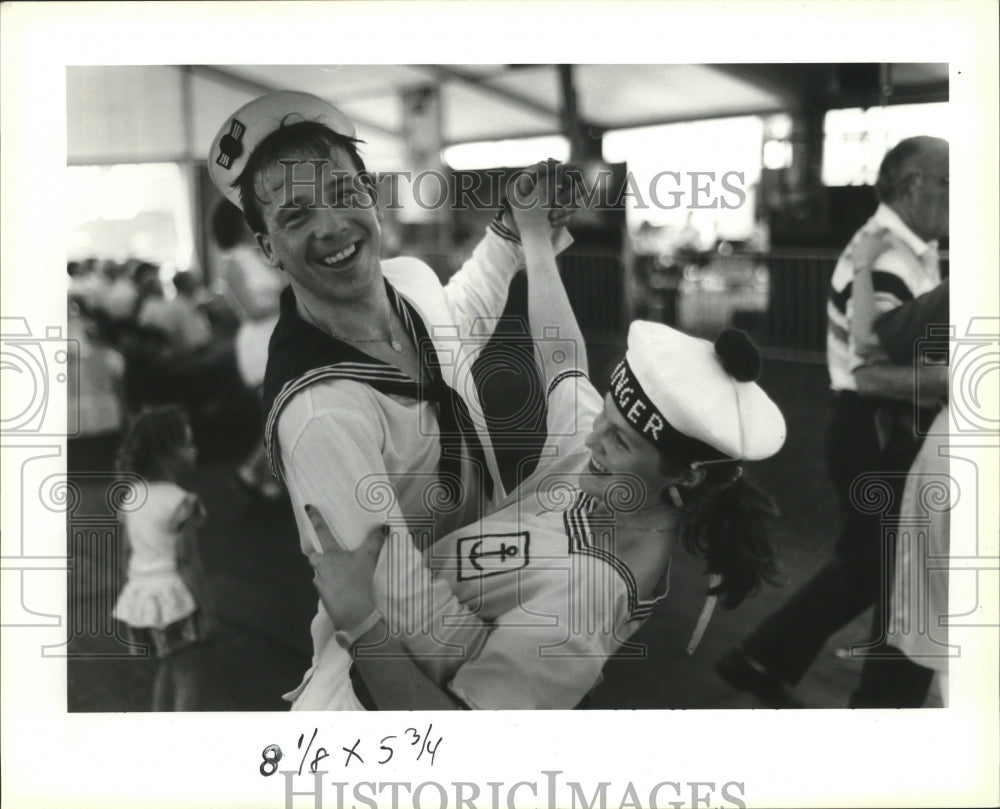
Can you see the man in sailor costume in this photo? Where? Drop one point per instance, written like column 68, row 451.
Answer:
column 371, row 412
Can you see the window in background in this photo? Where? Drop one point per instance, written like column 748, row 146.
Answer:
column 727, row 146
column 855, row 140
column 777, row 153
column 131, row 211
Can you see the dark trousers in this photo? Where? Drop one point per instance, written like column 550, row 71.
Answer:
column 889, row 679
column 859, row 574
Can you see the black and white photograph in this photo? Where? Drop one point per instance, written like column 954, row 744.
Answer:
column 597, row 373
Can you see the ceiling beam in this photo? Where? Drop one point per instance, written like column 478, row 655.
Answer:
column 901, row 95
column 217, row 74
column 444, row 73
column 802, row 86
column 694, row 117
column 238, row 82
column 795, row 87
column 638, row 123
column 788, row 83
column 540, row 132
column 930, row 93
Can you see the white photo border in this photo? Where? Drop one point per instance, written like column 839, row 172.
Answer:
column 788, row 758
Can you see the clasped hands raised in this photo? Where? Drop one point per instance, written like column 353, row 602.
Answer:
column 543, row 196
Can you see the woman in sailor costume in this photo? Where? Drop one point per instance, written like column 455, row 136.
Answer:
column 371, row 413
column 522, row 608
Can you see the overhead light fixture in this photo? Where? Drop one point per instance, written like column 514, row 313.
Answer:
column 510, row 153
column 777, row 154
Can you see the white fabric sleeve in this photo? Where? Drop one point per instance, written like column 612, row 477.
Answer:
column 477, row 293
column 438, row 632
column 185, row 509
column 332, row 459
column 329, row 443
column 168, row 505
column 572, row 404
column 550, row 652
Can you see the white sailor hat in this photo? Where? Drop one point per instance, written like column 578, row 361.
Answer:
column 681, row 392
column 251, row 123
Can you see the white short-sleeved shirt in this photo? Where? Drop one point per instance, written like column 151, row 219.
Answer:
column 250, row 285
column 155, row 595
column 908, row 269
column 180, row 319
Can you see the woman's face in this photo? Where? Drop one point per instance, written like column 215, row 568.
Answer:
column 619, row 456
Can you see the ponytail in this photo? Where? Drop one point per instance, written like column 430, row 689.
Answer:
column 731, row 523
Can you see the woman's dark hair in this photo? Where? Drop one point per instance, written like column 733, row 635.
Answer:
column 308, row 137
column 731, row 524
column 728, row 521
column 151, row 441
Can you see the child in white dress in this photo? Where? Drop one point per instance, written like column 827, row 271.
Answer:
column 164, row 602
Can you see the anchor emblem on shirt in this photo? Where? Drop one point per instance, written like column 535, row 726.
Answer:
column 490, row 554
column 475, row 553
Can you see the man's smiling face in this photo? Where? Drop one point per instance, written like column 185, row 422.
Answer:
column 323, row 227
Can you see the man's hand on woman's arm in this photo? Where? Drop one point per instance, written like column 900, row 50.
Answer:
column 344, row 580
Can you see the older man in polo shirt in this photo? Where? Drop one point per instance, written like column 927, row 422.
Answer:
column 871, row 437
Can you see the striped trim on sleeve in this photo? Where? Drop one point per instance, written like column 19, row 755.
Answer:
column 500, row 229
column 577, row 522
column 560, row 377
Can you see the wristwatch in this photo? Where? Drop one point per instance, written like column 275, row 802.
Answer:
column 346, row 638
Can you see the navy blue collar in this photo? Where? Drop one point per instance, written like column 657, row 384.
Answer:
column 300, row 354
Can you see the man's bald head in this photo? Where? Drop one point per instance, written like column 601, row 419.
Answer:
column 913, row 181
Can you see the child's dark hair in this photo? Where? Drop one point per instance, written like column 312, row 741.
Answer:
column 185, row 282
column 152, row 438
column 309, row 137
column 731, row 524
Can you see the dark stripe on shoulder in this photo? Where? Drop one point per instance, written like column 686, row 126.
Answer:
column 839, row 332
column 840, row 298
column 889, row 282
column 560, row 377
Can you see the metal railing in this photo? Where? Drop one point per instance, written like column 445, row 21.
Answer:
column 778, row 297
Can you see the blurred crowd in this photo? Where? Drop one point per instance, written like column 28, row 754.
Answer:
column 145, row 339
